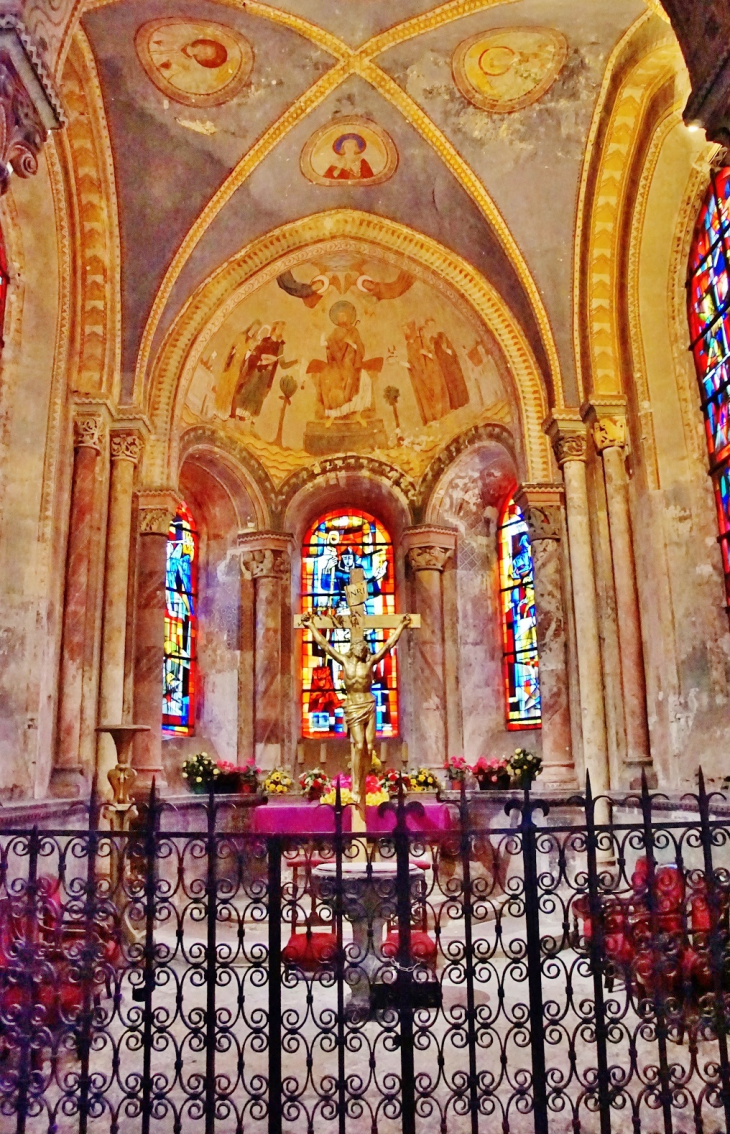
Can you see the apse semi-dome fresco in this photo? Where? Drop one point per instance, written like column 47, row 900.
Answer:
column 349, row 351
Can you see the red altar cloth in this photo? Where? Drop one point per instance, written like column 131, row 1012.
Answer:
column 299, row 817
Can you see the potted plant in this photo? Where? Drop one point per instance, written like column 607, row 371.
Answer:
column 200, row 773
column 423, row 779
column 492, row 775
column 228, row 779
column 249, row 778
column 278, row 782
column 375, row 793
column 524, row 767
column 456, row 770
column 314, row 784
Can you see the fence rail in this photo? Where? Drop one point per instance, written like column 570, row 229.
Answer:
column 529, row 976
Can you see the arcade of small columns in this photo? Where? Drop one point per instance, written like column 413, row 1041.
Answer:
column 120, row 634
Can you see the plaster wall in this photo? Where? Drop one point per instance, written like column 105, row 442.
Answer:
column 685, row 626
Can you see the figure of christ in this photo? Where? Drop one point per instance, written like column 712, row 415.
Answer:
column 343, row 382
column 357, row 668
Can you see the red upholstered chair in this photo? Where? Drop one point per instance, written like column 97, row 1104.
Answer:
column 310, row 951
column 423, row 947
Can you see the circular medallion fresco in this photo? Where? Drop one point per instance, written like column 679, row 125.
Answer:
column 506, row 69
column 349, row 149
column 195, row 62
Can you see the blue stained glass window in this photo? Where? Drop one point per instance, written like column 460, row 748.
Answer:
column 179, row 676
column 708, row 300
column 519, row 622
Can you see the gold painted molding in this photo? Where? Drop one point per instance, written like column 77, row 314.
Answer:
column 599, row 310
column 96, row 298
column 267, row 256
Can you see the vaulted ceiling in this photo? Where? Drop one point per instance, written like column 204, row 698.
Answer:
column 196, row 183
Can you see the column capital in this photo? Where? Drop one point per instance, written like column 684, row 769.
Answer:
column 156, row 510
column 29, row 102
column 569, row 437
column 428, row 547
column 125, row 445
column 265, row 555
column 88, row 430
column 606, row 417
column 542, row 508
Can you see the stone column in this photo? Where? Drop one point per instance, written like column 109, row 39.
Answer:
column 427, row 551
column 266, row 560
column 125, row 450
column 609, row 435
column 570, row 443
column 68, row 777
column 156, row 510
column 542, row 507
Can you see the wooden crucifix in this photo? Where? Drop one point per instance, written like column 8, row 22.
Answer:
column 358, row 665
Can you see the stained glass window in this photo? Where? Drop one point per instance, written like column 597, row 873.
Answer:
column 709, row 321
column 181, row 586
column 335, row 545
column 517, row 587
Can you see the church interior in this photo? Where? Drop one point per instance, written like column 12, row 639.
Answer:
column 364, row 566
column 419, row 289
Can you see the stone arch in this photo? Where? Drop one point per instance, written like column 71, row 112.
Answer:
column 264, row 258
column 246, row 480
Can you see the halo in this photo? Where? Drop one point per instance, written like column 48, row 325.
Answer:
column 343, row 305
column 339, row 142
column 496, row 69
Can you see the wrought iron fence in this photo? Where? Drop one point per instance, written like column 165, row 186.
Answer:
column 539, row 974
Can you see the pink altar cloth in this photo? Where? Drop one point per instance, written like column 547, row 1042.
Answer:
column 303, row 818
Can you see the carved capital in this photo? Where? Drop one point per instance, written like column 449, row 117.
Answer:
column 544, row 521
column 29, row 103
column 154, row 521
column 264, row 563
column 125, row 447
column 609, row 433
column 428, row 558
column 570, row 447
column 88, row 431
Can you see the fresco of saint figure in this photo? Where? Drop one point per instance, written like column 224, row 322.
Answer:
column 343, row 383
column 258, row 370
column 194, row 62
column 436, row 374
column 350, row 149
column 507, row 69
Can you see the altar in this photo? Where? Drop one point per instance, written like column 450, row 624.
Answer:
column 299, row 817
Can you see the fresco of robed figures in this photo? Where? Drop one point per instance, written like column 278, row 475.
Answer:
column 350, row 149
column 348, row 354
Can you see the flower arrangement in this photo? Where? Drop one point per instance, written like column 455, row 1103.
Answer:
column 423, row 779
column 375, row 793
column 524, row 767
column 492, row 775
column 346, row 796
column 392, row 780
column 314, row 783
column 200, row 772
column 249, row 778
column 456, row 770
column 278, row 782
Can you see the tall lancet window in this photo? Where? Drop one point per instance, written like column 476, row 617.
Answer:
column 338, row 543
column 709, row 321
column 181, row 629
column 519, row 623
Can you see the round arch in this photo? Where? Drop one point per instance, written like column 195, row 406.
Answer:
column 280, row 250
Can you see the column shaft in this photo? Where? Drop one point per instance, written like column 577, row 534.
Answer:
column 633, row 680
column 124, row 452
column 557, row 750
column 68, row 774
column 593, row 716
column 149, row 646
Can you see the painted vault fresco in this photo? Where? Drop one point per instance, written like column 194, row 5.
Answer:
column 350, row 149
column 509, row 68
column 194, row 62
column 350, row 352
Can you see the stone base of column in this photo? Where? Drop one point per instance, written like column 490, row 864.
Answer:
column 557, row 777
column 68, row 783
column 632, row 771
column 143, row 783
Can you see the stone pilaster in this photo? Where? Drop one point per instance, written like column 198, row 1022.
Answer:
column 156, row 510
column 569, row 438
column 610, row 440
column 427, row 550
column 266, row 564
column 125, row 450
column 542, row 507
column 69, row 775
